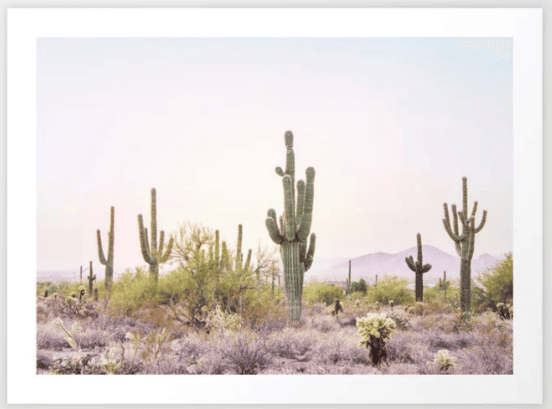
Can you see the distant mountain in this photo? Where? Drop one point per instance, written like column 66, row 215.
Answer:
column 369, row 265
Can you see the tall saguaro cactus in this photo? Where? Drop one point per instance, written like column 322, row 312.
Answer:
column 154, row 254
column 465, row 242
column 349, row 287
column 108, row 263
column 91, row 278
column 294, row 230
column 420, row 269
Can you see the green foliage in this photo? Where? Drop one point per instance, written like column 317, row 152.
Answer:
column 316, row 291
column 360, row 286
column 498, row 281
column 390, row 288
column 133, row 291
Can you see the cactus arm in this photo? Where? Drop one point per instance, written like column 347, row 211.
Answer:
column 455, row 218
column 161, row 242
column 310, row 253
column 426, row 268
column 465, row 194
column 247, row 261
column 410, row 262
column 111, row 237
column 239, row 255
column 474, row 211
column 279, row 171
column 289, row 206
column 482, row 224
column 153, row 248
column 100, row 248
column 450, row 233
column 217, row 249
column 306, row 219
column 144, row 240
column 446, row 222
column 300, row 202
column 420, row 255
column 273, row 231
column 165, row 257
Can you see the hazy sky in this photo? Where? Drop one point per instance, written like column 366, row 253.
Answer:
column 390, row 125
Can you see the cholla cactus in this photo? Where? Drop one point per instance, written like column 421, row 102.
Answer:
column 442, row 361
column 391, row 304
column 374, row 330
column 504, row 310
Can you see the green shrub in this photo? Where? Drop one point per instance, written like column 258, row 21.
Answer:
column 390, row 288
column 315, row 291
column 498, row 281
column 132, row 291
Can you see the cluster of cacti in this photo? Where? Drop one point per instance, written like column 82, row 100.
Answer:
column 91, row 278
column 464, row 242
column 294, row 228
column 374, row 331
column 108, row 262
column 154, row 254
column 419, row 268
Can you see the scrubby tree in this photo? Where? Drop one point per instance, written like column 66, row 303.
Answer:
column 390, row 288
column 498, row 281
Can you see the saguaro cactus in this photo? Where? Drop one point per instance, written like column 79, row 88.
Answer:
column 419, row 268
column 239, row 255
column 465, row 242
column 294, row 230
column 108, row 263
column 154, row 254
column 91, row 278
column 349, row 289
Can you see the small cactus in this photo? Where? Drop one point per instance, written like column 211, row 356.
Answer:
column 419, row 268
column 91, row 278
column 375, row 330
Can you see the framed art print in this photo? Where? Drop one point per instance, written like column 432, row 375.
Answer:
column 275, row 206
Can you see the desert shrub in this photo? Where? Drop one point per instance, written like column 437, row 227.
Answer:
column 339, row 347
column 359, row 286
column 390, row 288
column 133, row 291
column 498, row 281
column 316, row 291
column 245, row 352
column 291, row 343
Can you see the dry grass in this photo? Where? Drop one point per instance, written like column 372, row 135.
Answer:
column 321, row 344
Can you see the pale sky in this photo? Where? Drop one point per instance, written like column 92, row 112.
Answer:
column 390, row 125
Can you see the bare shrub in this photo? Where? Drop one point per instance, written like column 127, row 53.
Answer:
column 50, row 337
column 245, row 352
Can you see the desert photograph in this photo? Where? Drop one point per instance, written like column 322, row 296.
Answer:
column 274, row 206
